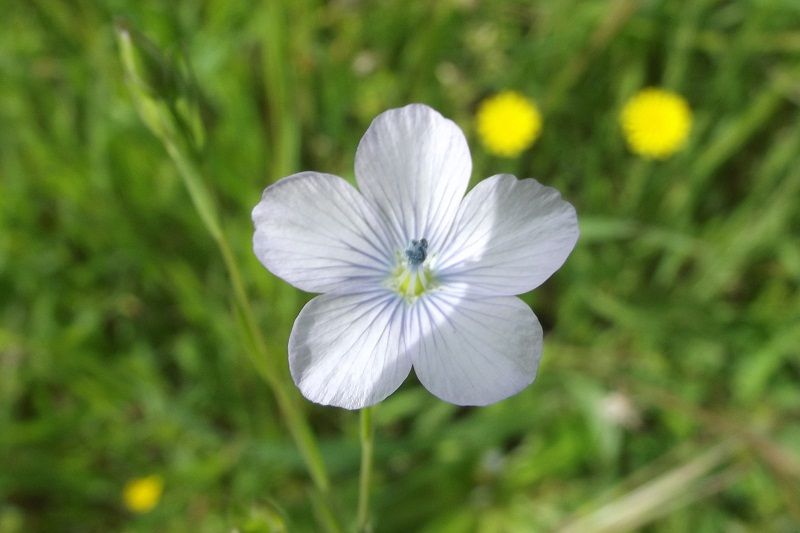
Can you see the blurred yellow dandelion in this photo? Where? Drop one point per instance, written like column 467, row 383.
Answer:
column 656, row 123
column 142, row 494
column 508, row 123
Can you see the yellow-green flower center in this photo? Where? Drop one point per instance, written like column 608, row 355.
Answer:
column 412, row 275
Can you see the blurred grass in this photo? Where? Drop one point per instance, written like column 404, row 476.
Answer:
column 670, row 389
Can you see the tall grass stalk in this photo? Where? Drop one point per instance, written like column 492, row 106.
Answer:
column 159, row 118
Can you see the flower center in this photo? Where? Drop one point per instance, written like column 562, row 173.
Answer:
column 412, row 276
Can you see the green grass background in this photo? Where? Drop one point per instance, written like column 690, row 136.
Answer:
column 121, row 356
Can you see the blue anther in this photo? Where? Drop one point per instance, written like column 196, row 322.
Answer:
column 417, row 251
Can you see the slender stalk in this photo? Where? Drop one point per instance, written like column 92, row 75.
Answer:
column 636, row 184
column 367, row 432
column 159, row 115
column 259, row 356
column 258, row 353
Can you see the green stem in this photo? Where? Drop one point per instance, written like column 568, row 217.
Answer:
column 159, row 115
column 258, row 354
column 636, row 184
column 367, row 431
column 294, row 418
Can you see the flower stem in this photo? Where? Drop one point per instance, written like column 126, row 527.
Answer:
column 259, row 354
column 367, row 432
column 159, row 115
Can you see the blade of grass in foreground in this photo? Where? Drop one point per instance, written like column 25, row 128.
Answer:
column 163, row 117
column 680, row 486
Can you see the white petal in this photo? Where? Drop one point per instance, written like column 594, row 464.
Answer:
column 510, row 235
column 319, row 234
column 475, row 351
column 349, row 350
column 414, row 165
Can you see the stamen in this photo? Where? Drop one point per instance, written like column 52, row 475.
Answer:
column 412, row 276
column 417, row 251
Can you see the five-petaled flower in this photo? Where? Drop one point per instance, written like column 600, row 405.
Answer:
column 413, row 273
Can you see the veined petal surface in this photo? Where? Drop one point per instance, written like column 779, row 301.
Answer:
column 509, row 236
column 318, row 233
column 349, row 350
column 474, row 351
column 414, row 165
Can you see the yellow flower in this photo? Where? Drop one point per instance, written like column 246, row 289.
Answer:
column 656, row 123
column 508, row 123
column 142, row 494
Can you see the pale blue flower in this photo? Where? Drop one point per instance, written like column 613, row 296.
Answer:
column 413, row 273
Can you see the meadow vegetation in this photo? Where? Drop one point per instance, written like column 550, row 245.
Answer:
column 669, row 394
